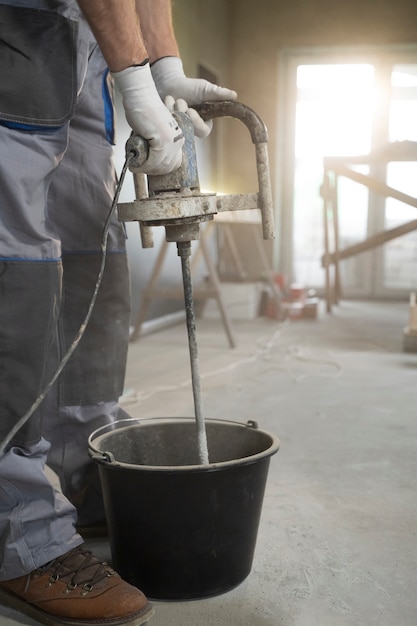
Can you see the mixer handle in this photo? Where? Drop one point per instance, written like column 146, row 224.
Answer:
column 259, row 136
column 230, row 108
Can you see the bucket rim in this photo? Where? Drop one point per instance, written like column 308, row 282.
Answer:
column 107, row 458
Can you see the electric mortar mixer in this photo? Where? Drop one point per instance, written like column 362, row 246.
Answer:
column 176, row 202
column 183, row 525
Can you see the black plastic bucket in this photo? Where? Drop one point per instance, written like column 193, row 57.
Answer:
column 179, row 530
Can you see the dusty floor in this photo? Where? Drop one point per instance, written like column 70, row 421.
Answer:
column 337, row 541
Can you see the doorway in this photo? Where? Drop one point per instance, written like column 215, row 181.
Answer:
column 346, row 105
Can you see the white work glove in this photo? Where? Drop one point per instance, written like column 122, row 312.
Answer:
column 148, row 116
column 170, row 80
column 201, row 128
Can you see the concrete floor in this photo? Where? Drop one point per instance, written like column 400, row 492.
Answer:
column 337, row 541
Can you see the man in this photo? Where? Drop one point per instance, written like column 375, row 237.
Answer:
column 56, row 187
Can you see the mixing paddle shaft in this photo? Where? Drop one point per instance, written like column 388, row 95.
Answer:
column 176, row 202
column 184, row 251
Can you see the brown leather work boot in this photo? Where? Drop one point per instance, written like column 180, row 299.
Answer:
column 76, row 590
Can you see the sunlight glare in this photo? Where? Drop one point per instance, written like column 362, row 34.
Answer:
column 334, row 110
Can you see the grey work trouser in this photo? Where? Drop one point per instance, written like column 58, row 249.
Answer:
column 56, row 188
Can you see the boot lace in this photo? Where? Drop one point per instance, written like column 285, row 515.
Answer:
column 78, row 568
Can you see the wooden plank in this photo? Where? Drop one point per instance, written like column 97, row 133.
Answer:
column 375, row 185
column 372, row 242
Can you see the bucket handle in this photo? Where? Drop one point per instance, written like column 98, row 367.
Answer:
column 103, row 457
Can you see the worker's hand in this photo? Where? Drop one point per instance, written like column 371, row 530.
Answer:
column 148, row 116
column 170, row 80
column 202, row 128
